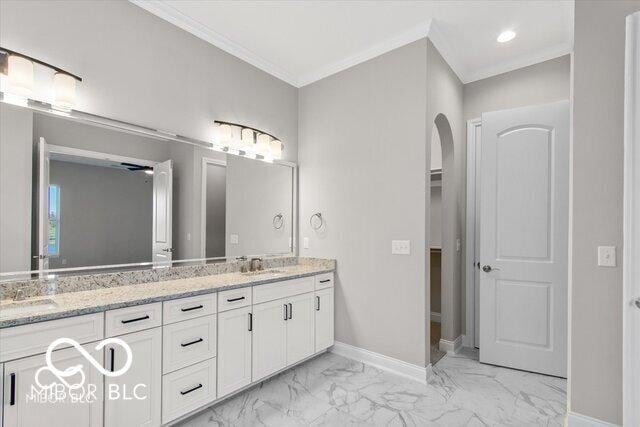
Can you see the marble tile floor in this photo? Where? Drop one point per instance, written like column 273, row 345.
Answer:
column 330, row 390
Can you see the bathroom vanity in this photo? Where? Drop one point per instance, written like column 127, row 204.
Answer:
column 193, row 341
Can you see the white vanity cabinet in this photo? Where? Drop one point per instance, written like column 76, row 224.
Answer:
column 324, row 319
column 22, row 407
column 134, row 398
column 300, row 327
column 269, row 338
column 234, row 349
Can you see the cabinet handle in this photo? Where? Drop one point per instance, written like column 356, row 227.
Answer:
column 137, row 319
column 12, row 395
column 192, row 342
column 286, row 315
column 197, row 307
column 325, row 280
column 317, row 303
column 250, row 322
column 112, row 352
column 191, row 389
column 235, row 299
column 290, row 311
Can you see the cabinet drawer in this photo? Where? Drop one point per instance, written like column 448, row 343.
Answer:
column 324, row 281
column 27, row 340
column 188, row 342
column 277, row 290
column 132, row 319
column 188, row 308
column 188, row 389
column 234, row 298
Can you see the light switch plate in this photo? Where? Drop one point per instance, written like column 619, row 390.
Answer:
column 233, row 239
column 305, row 243
column 606, row 256
column 401, row 247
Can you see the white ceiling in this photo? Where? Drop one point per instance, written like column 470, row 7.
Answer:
column 304, row 41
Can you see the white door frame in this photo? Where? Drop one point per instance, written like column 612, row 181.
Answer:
column 78, row 152
column 471, row 340
column 631, row 269
column 203, row 202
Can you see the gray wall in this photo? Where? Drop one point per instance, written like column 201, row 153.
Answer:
column 363, row 157
column 445, row 108
column 595, row 355
column 138, row 68
column 105, row 215
column 536, row 84
column 16, row 127
column 216, row 211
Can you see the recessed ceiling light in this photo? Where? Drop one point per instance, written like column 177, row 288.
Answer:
column 506, row 36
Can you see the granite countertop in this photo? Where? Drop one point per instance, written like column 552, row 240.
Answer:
column 92, row 301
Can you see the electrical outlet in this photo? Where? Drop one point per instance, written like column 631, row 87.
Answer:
column 305, row 243
column 606, row 256
column 401, row 247
column 233, row 239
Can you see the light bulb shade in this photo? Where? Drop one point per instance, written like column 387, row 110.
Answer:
column 263, row 143
column 247, row 141
column 64, row 87
column 222, row 134
column 20, row 75
column 275, row 149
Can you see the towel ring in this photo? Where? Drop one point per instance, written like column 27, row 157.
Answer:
column 278, row 221
column 316, row 221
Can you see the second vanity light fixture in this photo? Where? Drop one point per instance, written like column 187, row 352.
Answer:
column 18, row 81
column 246, row 141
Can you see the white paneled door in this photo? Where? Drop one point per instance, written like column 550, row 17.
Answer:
column 162, row 206
column 524, row 238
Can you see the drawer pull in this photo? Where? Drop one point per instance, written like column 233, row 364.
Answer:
column 317, row 303
column 12, row 397
column 290, row 311
column 137, row 319
column 112, row 351
column 191, row 389
column 325, row 280
column 235, row 299
column 197, row 307
column 192, row 342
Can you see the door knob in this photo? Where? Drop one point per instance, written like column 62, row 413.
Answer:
column 488, row 269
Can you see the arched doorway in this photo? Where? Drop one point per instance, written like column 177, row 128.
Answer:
column 441, row 281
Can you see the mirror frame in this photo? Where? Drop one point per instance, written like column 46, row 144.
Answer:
column 122, row 126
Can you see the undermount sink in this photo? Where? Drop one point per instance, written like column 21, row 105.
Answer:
column 263, row 273
column 26, row 307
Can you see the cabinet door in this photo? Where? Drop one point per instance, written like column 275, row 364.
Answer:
column 234, row 350
column 144, row 378
column 300, row 328
column 269, row 338
column 23, row 409
column 324, row 319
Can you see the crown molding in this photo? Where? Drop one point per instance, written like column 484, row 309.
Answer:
column 446, row 51
column 179, row 19
column 523, row 61
column 416, row 33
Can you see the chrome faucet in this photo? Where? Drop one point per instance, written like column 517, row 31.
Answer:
column 256, row 264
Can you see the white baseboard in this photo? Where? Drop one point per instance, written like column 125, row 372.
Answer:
column 386, row 363
column 579, row 420
column 436, row 317
column 467, row 341
column 451, row 346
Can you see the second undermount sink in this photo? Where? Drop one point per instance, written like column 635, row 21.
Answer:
column 26, row 307
column 264, row 273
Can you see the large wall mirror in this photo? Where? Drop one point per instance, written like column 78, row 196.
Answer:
column 78, row 194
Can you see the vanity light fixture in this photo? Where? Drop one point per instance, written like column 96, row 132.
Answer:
column 246, row 141
column 19, row 71
column 506, row 36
